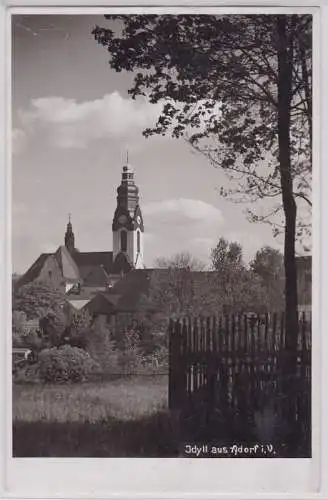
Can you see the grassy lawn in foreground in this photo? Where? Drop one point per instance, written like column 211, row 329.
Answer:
column 123, row 399
column 125, row 417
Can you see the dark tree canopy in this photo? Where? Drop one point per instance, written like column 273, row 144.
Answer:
column 239, row 89
column 36, row 299
column 217, row 77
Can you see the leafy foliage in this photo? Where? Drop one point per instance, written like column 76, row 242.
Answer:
column 78, row 330
column 226, row 256
column 268, row 266
column 65, row 364
column 181, row 260
column 238, row 289
column 18, row 328
column 239, row 89
column 36, row 299
column 101, row 347
column 53, row 326
column 217, row 78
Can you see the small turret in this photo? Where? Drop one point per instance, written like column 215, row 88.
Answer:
column 69, row 236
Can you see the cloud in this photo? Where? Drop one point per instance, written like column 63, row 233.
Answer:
column 72, row 124
column 181, row 224
column 184, row 208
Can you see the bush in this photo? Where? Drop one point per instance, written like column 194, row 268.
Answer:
column 65, row 364
column 101, row 348
column 28, row 374
column 78, row 330
column 53, row 326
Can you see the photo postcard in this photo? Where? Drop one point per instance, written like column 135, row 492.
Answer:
column 161, row 243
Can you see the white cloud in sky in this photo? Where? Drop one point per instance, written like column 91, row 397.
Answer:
column 72, row 124
column 181, row 224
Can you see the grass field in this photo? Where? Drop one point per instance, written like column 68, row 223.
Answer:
column 123, row 399
column 126, row 417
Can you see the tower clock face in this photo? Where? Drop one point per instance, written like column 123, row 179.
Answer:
column 122, row 219
column 139, row 219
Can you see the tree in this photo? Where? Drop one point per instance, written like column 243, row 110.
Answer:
column 239, row 290
column 268, row 265
column 172, row 289
column 101, row 347
column 227, row 256
column 78, row 329
column 36, row 299
column 239, row 89
column 53, row 327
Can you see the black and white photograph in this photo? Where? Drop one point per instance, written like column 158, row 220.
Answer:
column 161, row 235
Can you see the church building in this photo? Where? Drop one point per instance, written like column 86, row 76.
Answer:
column 113, row 283
column 82, row 274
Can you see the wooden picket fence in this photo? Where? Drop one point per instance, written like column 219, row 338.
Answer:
column 232, row 365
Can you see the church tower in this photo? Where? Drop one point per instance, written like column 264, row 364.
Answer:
column 69, row 237
column 127, row 224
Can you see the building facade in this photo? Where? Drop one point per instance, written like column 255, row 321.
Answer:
column 83, row 274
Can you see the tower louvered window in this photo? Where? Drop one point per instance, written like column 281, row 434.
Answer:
column 124, row 241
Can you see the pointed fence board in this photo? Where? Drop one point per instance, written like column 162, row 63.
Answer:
column 231, row 364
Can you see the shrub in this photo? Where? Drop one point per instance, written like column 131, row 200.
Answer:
column 53, row 326
column 28, row 374
column 130, row 354
column 78, row 330
column 66, row 364
column 102, row 349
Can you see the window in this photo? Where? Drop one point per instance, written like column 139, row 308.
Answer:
column 124, row 241
column 138, row 241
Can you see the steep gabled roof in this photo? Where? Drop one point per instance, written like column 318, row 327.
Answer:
column 67, row 265
column 79, row 303
column 95, row 269
column 102, row 304
column 34, row 271
column 121, row 264
column 86, row 261
column 96, row 277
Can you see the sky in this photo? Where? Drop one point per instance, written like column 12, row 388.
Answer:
column 73, row 122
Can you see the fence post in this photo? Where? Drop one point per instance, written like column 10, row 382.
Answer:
column 175, row 367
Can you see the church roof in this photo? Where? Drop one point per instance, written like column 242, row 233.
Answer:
column 102, row 303
column 94, row 268
column 66, row 264
column 86, row 261
column 95, row 276
column 33, row 272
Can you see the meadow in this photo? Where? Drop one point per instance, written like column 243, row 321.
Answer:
column 124, row 417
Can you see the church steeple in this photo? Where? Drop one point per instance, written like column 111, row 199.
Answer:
column 128, row 192
column 69, row 236
column 127, row 222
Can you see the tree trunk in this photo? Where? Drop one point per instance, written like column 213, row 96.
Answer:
column 285, row 61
